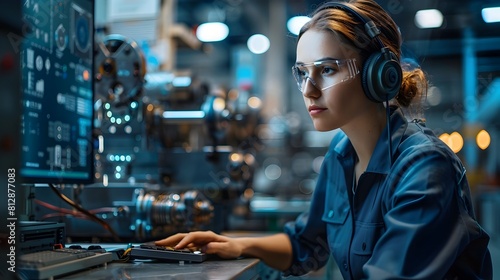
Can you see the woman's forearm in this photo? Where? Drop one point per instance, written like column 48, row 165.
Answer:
column 274, row 250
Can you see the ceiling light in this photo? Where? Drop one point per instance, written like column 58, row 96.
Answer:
column 431, row 18
column 491, row 14
column 258, row 44
column 212, row 32
column 294, row 24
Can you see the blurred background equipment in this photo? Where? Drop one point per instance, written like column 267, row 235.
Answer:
column 169, row 155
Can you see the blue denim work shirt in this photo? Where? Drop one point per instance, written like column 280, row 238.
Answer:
column 412, row 219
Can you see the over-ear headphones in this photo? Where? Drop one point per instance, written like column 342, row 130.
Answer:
column 382, row 75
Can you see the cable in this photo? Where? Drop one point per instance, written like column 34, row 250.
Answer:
column 84, row 211
column 125, row 256
column 61, row 212
column 387, row 119
column 53, row 207
column 56, row 215
column 71, row 212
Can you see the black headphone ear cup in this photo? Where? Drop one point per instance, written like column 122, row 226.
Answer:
column 367, row 77
column 381, row 77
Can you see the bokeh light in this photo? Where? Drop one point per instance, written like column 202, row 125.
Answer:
column 483, row 139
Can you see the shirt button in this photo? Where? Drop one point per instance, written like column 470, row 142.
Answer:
column 363, row 246
column 345, row 266
column 330, row 214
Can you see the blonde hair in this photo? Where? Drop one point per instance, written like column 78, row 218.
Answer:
column 351, row 31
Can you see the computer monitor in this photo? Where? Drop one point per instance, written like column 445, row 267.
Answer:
column 57, row 91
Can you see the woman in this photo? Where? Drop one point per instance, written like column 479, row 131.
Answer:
column 392, row 201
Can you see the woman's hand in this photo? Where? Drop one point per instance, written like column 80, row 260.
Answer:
column 275, row 250
column 208, row 241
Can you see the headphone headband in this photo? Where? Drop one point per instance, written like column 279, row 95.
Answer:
column 370, row 27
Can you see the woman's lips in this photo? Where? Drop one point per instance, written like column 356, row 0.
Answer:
column 315, row 110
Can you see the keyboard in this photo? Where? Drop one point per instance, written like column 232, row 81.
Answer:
column 50, row 263
column 151, row 251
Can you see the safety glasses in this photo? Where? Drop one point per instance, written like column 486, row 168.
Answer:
column 324, row 74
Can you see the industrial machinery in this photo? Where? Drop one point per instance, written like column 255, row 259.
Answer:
column 170, row 154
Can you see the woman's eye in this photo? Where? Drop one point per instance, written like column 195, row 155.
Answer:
column 301, row 72
column 327, row 70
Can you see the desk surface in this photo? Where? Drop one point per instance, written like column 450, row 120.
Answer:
column 244, row 268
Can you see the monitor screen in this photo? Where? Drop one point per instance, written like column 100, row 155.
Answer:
column 57, row 84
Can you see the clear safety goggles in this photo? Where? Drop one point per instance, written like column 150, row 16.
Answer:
column 324, row 74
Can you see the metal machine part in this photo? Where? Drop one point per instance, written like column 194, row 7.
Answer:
column 120, row 72
column 180, row 210
column 119, row 79
column 187, row 129
column 229, row 120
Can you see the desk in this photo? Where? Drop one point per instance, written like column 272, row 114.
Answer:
column 244, row 268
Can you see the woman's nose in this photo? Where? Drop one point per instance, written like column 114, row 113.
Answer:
column 310, row 89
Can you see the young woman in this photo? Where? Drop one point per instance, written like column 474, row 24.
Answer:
column 392, row 201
